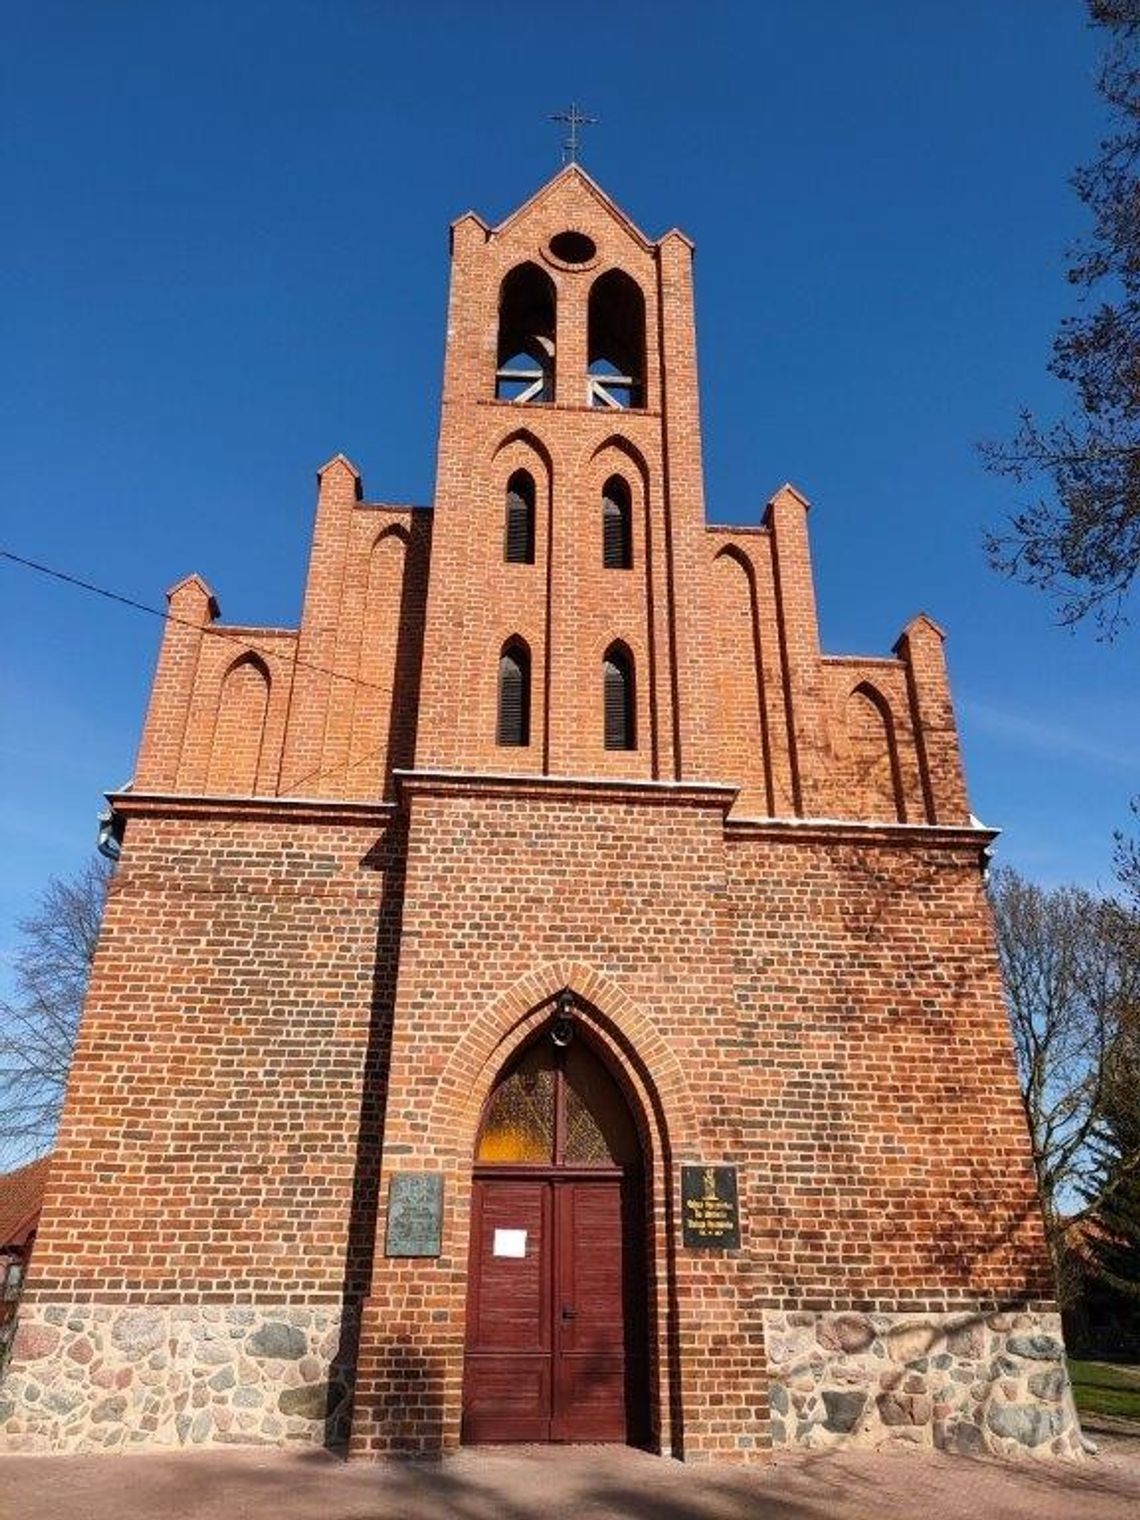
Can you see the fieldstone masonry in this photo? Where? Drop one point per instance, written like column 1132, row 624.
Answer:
column 345, row 904
column 106, row 1377
column 971, row 1383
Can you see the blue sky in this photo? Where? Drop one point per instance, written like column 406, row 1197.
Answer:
column 225, row 259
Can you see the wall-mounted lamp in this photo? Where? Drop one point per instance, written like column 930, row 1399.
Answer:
column 562, row 1030
column 985, row 863
column 111, row 828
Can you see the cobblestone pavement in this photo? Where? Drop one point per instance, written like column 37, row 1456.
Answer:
column 545, row 1483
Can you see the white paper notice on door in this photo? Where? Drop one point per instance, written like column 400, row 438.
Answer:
column 509, row 1243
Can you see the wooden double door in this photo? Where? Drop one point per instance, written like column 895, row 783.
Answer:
column 555, row 1322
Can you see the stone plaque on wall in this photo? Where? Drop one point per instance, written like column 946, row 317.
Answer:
column 710, row 1215
column 415, row 1214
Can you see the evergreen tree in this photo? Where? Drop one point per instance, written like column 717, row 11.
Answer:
column 1113, row 1244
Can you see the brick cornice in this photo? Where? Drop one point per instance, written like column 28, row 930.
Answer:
column 885, row 661
column 255, row 809
column 714, row 795
column 850, row 831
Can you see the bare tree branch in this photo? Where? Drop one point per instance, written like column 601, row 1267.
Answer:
column 1071, row 966
column 39, row 1022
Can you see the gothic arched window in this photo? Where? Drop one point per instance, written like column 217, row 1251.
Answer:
column 617, row 525
column 518, row 533
column 616, row 339
column 514, row 694
column 558, row 1106
column 618, row 697
column 524, row 369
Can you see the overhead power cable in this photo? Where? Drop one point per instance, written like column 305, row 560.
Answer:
column 166, row 616
column 234, row 636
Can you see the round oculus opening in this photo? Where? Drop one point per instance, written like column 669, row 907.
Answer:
column 573, row 247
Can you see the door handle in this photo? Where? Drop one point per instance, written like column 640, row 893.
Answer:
column 568, row 1313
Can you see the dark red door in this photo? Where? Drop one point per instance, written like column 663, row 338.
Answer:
column 589, row 1375
column 507, row 1376
column 554, row 1343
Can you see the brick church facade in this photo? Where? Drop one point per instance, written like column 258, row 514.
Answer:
column 543, row 996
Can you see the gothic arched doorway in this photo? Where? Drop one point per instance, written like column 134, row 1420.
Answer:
column 556, row 1292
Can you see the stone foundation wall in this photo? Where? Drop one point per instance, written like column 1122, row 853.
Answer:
column 95, row 1377
column 92, row 1377
column 965, row 1382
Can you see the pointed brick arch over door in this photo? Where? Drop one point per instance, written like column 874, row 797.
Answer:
column 630, row 1039
column 659, row 1097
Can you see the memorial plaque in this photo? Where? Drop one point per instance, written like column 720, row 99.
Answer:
column 710, row 1216
column 415, row 1214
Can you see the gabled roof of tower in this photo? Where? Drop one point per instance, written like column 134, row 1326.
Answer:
column 922, row 620
column 194, row 582
column 575, row 174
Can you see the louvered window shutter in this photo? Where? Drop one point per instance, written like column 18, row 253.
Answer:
column 618, row 687
column 518, row 546
column 617, row 548
column 514, row 698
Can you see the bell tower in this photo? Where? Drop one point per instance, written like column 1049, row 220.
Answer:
column 569, row 504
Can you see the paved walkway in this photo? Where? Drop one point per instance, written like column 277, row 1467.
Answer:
column 544, row 1483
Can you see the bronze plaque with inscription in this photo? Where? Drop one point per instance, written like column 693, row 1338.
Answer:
column 415, row 1214
column 710, row 1215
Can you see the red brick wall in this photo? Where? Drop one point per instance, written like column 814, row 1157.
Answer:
column 209, row 1143
column 831, row 1012
column 507, row 895
column 889, row 1164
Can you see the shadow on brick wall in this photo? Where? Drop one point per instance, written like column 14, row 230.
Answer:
column 387, row 855
column 404, row 715
column 403, row 1415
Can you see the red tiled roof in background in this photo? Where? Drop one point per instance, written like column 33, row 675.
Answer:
column 21, row 1194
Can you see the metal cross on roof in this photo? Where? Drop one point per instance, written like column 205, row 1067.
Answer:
column 573, row 118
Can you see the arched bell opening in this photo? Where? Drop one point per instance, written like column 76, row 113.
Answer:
column 616, row 342
column 557, row 1301
column 524, row 370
